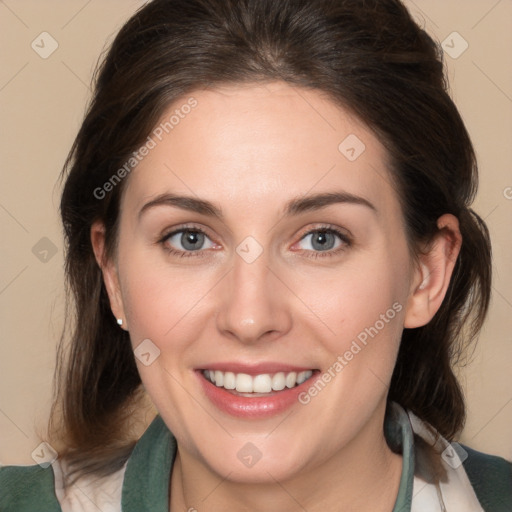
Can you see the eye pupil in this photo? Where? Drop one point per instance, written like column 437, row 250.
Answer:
column 194, row 238
column 323, row 240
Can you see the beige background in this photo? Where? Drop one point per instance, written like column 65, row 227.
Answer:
column 42, row 103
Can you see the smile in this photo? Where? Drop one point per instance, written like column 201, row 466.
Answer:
column 254, row 392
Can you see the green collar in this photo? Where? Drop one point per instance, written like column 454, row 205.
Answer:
column 146, row 480
column 400, row 437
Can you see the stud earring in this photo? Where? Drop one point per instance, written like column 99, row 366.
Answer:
column 120, row 321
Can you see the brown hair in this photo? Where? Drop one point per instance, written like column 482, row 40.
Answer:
column 369, row 56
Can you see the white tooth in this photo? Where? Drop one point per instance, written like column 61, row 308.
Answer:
column 262, row 383
column 278, row 381
column 219, row 378
column 243, row 383
column 303, row 376
column 210, row 376
column 291, row 379
column 229, row 380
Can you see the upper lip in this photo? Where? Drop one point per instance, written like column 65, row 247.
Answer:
column 255, row 369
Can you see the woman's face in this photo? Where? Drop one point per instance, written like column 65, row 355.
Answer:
column 261, row 238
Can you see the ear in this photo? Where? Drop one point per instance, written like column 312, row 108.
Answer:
column 109, row 271
column 433, row 273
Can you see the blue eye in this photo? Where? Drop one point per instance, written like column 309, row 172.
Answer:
column 191, row 240
column 325, row 240
column 321, row 240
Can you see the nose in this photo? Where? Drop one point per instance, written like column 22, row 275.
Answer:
column 253, row 302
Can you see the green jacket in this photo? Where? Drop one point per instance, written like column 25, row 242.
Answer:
column 475, row 481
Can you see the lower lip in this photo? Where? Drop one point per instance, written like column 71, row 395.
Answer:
column 252, row 407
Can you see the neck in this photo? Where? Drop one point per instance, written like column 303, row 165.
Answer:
column 364, row 476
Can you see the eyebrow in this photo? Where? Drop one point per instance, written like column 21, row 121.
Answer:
column 295, row 206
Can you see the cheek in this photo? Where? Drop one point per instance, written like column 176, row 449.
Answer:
column 363, row 314
column 355, row 297
column 160, row 301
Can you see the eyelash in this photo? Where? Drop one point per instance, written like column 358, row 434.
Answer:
column 345, row 239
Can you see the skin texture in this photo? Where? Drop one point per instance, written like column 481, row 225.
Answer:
column 250, row 149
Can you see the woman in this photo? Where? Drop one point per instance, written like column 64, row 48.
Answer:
column 268, row 224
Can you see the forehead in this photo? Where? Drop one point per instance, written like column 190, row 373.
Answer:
column 244, row 145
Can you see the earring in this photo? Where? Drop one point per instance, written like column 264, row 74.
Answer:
column 119, row 321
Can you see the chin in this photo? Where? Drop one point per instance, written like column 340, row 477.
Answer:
column 261, row 462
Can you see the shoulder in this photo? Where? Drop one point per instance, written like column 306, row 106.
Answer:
column 33, row 489
column 143, row 479
column 491, row 478
column 465, row 479
column 27, row 489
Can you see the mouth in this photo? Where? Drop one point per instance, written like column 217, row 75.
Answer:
column 255, row 393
